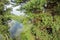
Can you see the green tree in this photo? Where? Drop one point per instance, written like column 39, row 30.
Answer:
column 3, row 20
column 44, row 19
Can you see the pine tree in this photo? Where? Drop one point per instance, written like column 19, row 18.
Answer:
column 43, row 16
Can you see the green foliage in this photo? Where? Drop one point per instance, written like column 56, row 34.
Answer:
column 1, row 6
column 41, row 21
column 21, row 1
column 34, row 5
column 38, row 25
column 18, row 1
column 3, row 21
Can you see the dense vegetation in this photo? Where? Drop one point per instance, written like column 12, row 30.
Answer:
column 41, row 23
column 4, row 16
column 44, row 20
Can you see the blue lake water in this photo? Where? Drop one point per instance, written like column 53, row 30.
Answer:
column 16, row 29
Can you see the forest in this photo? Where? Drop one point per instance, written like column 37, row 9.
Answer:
column 29, row 19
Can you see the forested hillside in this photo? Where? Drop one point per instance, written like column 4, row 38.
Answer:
column 40, row 19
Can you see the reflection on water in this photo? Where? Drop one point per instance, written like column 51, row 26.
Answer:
column 15, row 29
column 16, row 12
column 14, row 8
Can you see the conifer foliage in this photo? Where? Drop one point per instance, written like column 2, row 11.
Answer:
column 44, row 16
